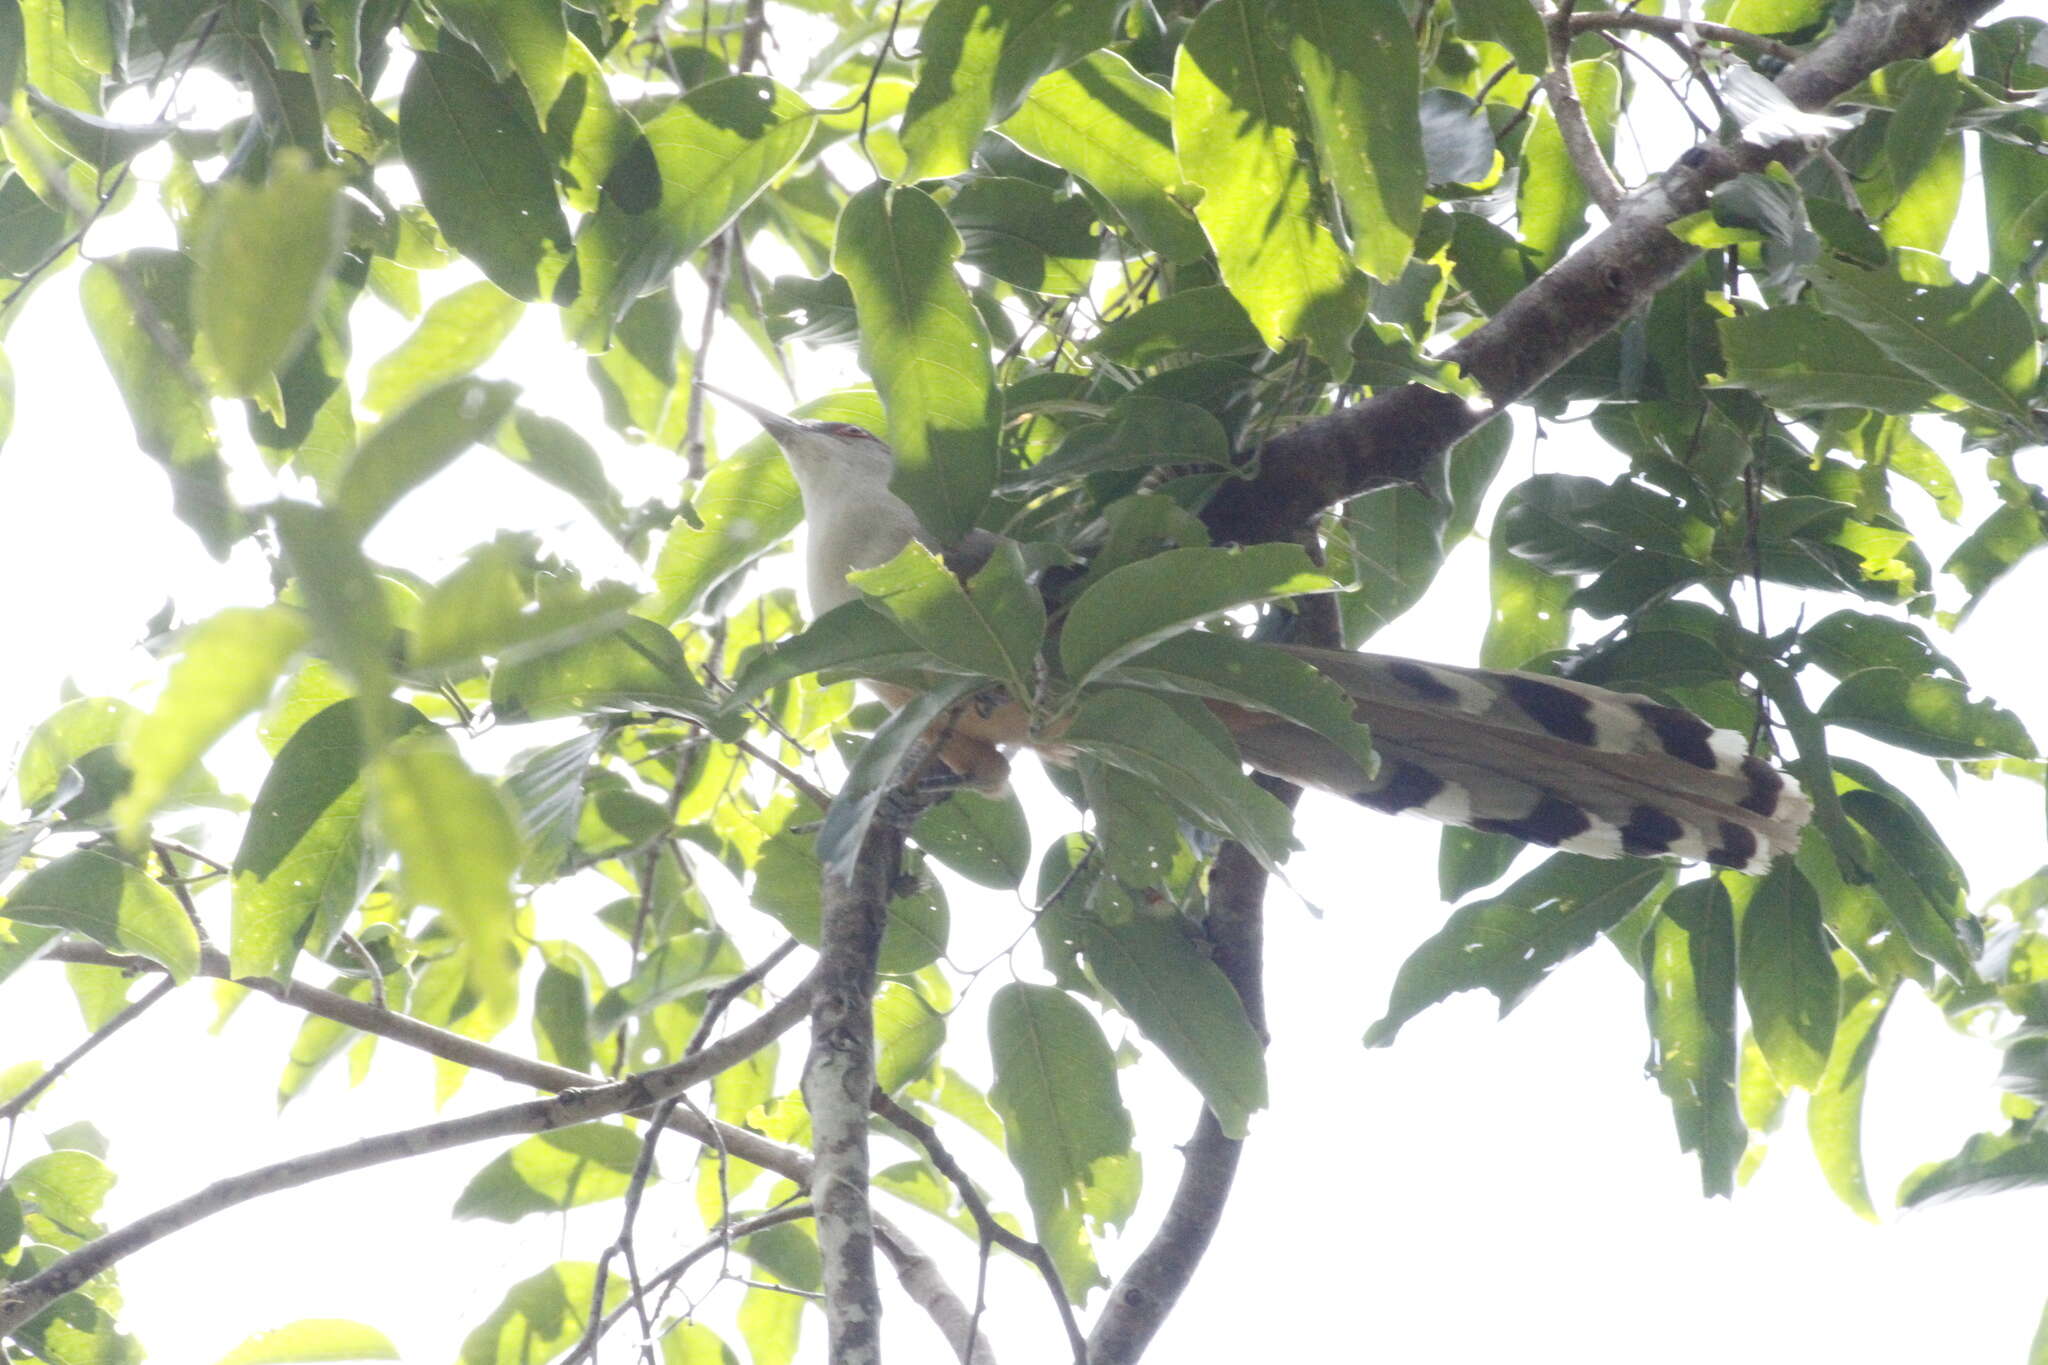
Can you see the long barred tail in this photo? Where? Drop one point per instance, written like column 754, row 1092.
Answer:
column 1544, row 759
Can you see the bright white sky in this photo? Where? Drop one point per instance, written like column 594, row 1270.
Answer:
column 1480, row 1191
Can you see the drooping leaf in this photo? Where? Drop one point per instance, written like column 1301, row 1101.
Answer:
column 1151, row 739
column 639, row 666
column 227, row 667
column 1834, row 1119
column 976, row 57
column 1359, row 80
column 1056, row 1091
column 138, row 306
column 1789, row 982
column 1928, row 715
column 307, row 860
column 456, row 334
column 705, row 158
column 473, row 145
column 1507, row 944
column 540, row 1317
column 458, row 849
column 1111, row 127
column 926, row 348
column 1691, row 997
column 1183, row 1003
column 416, row 443
column 262, row 259
column 1238, row 125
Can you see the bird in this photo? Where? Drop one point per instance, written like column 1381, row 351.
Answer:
column 1547, row 760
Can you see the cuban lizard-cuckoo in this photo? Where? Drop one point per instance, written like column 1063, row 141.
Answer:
column 1545, row 759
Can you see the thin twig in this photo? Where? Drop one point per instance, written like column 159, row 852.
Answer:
column 991, row 1231
column 1669, row 27
column 1579, row 144
column 19, row 1104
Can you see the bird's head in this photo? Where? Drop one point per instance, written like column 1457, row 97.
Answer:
column 822, row 451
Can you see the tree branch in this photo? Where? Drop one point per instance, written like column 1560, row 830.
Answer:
column 1666, row 27
column 1394, row 435
column 1588, row 161
column 919, row 1276
column 27, row 1095
column 839, row 1075
column 984, row 1221
column 450, row 1047
column 22, row 1301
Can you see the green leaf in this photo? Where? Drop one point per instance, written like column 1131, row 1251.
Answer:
column 547, row 788
column 1145, row 736
column 1238, row 125
column 747, row 503
column 1974, row 341
column 1184, row 1004
column 2000, row 542
column 1989, row 1163
column 458, row 849
column 482, row 609
column 1928, row 715
column 111, row 902
column 1021, row 232
column 226, row 668
column 1507, row 944
column 475, row 150
column 1551, row 199
column 976, row 57
column 552, row 1172
column 1514, row 24
column 341, row 592
column 1245, row 673
column 908, row 1034
column 1138, row 605
column 1834, row 1119
column 556, row 453
column 707, row 156
column 139, row 308
column 786, row 880
column 458, row 333
column 1206, row 320
column 1111, row 127
column 416, row 443
column 541, row 1317
column 306, row 860
column 875, row 772
column 926, row 347
column 1691, row 999
column 1056, row 1091
column 1788, row 978
column 262, row 258
column 1360, row 85
column 637, row 667
column 68, row 735
column 313, row 1340
column 1801, row 357
column 991, row 625
column 683, row 965
column 853, row 637
column 985, row 839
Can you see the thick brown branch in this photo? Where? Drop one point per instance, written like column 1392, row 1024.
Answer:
column 1393, row 436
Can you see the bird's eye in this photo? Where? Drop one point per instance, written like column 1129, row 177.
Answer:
column 845, row 429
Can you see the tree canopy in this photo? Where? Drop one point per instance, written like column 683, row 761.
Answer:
column 1226, row 314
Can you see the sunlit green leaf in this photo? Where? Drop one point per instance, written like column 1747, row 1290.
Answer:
column 416, row 443
column 926, row 348
column 1056, row 1090
column 1140, row 604
column 1187, row 1008
column 457, row 334
column 1238, row 123
column 474, row 147
column 263, row 257
column 313, row 1340
column 551, row 1172
column 111, row 902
